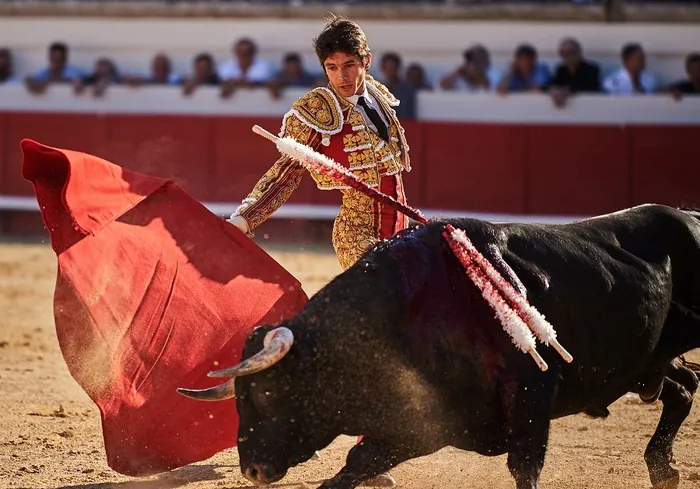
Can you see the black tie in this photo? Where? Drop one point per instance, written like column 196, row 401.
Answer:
column 375, row 118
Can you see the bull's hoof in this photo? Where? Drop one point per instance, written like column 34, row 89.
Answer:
column 671, row 480
column 315, row 456
column 382, row 480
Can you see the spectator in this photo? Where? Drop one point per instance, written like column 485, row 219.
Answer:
column 631, row 78
column 293, row 73
column 526, row 74
column 391, row 77
column 574, row 74
column 161, row 73
column 475, row 74
column 415, row 76
column 246, row 70
column 104, row 73
column 58, row 71
column 691, row 86
column 204, row 73
column 320, row 81
column 6, row 71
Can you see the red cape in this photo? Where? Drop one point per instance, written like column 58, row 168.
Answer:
column 153, row 291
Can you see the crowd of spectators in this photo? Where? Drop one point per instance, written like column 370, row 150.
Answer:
column 574, row 73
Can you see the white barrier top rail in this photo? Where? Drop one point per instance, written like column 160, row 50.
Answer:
column 432, row 106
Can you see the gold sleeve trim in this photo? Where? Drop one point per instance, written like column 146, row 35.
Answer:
column 276, row 186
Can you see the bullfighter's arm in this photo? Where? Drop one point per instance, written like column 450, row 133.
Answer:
column 276, row 186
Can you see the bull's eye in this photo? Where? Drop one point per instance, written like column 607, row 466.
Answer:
column 252, row 384
column 292, row 420
column 268, row 393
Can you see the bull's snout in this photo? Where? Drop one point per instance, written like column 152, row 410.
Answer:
column 262, row 474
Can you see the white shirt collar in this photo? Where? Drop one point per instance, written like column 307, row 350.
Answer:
column 354, row 98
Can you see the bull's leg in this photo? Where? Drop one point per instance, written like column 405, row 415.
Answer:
column 677, row 393
column 368, row 459
column 528, row 414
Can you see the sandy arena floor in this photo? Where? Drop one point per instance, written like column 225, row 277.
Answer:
column 50, row 434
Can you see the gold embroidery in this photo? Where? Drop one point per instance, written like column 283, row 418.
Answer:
column 355, row 139
column 320, row 110
column 355, row 229
column 355, row 119
column 360, row 158
column 367, row 175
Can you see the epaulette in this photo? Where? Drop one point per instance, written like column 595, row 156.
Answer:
column 383, row 91
column 320, row 110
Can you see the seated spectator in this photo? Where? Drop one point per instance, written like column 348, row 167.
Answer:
column 6, row 70
column 104, row 73
column 475, row 74
column 391, row 78
column 204, row 73
column 293, row 73
column 246, row 70
column 574, row 74
column 631, row 78
column 320, row 81
column 416, row 77
column 691, row 86
column 58, row 71
column 525, row 74
column 161, row 73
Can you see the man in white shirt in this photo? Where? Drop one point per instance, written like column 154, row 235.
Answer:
column 631, row 78
column 476, row 73
column 245, row 69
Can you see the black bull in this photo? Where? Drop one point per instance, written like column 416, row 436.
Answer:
column 401, row 348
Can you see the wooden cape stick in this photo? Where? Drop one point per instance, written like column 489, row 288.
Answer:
column 517, row 316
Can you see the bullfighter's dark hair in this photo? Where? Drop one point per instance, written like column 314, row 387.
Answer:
column 341, row 35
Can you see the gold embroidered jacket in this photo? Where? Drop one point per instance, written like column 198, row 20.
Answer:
column 329, row 124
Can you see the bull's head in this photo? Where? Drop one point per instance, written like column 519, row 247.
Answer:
column 274, row 430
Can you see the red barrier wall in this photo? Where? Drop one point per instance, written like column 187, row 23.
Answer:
column 535, row 169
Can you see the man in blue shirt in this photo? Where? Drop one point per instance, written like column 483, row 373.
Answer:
column 58, row 70
column 526, row 74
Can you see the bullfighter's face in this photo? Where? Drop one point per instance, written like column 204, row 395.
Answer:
column 347, row 72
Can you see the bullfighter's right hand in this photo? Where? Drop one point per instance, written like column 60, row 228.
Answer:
column 240, row 223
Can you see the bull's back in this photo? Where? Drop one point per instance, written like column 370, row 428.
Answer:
column 605, row 284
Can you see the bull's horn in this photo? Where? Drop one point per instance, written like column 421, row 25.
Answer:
column 218, row 393
column 277, row 344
